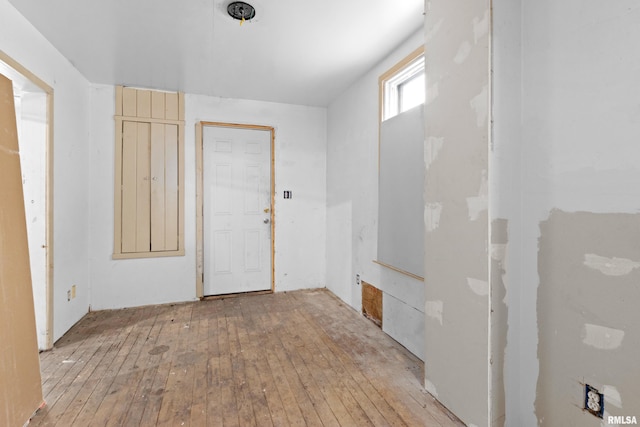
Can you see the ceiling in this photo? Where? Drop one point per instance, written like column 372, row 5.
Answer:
column 294, row 51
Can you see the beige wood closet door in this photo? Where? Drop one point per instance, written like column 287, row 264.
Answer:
column 236, row 216
column 149, row 187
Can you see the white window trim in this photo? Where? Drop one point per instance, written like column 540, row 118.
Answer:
column 401, row 73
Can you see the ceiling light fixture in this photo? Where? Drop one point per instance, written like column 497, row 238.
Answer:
column 241, row 11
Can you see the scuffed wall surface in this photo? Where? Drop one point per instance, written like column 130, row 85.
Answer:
column 456, row 244
column 588, row 317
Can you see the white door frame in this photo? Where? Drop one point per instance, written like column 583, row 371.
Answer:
column 200, row 193
column 48, row 190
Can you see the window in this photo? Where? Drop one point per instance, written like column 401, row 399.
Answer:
column 403, row 87
column 401, row 167
column 149, row 176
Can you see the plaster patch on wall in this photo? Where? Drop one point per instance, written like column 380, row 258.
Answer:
column 434, row 309
column 480, row 287
column 480, row 103
column 479, row 203
column 481, row 27
column 432, row 146
column 601, row 337
column 610, row 266
column 432, row 213
column 612, row 396
column 432, row 93
column 431, row 388
column 463, row 52
column 499, row 252
column 476, row 205
column 433, row 30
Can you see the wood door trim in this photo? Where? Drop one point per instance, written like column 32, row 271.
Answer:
column 200, row 205
column 48, row 90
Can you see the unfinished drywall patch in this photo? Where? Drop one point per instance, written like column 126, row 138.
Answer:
column 479, row 287
column 586, row 319
column 612, row 396
column 481, row 27
column 432, row 93
column 433, row 309
column 479, row 203
column 480, row 105
column 610, row 266
column 602, row 337
column 433, row 29
column 499, row 315
column 463, row 52
column 431, row 388
column 432, row 146
column 432, row 212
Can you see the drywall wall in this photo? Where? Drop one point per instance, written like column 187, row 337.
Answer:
column 352, row 207
column 564, row 176
column 300, row 222
column 457, row 54
column 20, row 41
column 400, row 188
column 20, row 387
column 587, row 310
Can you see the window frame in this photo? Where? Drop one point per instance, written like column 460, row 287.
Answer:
column 390, row 82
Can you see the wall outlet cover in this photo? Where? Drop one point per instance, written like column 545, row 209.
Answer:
column 593, row 401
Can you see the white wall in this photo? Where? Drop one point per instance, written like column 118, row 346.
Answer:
column 300, row 222
column 20, row 40
column 352, row 207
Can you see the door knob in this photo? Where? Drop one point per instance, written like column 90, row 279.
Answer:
column 266, row 221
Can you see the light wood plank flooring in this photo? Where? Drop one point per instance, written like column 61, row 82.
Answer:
column 288, row 359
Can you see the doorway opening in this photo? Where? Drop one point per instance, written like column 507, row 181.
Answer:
column 235, row 194
column 34, row 117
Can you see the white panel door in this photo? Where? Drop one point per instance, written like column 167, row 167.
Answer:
column 236, row 204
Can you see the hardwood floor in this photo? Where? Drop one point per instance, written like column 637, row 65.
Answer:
column 288, row 359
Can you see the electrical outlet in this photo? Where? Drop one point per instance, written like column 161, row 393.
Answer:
column 69, row 295
column 358, row 279
column 593, row 401
column 73, row 291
